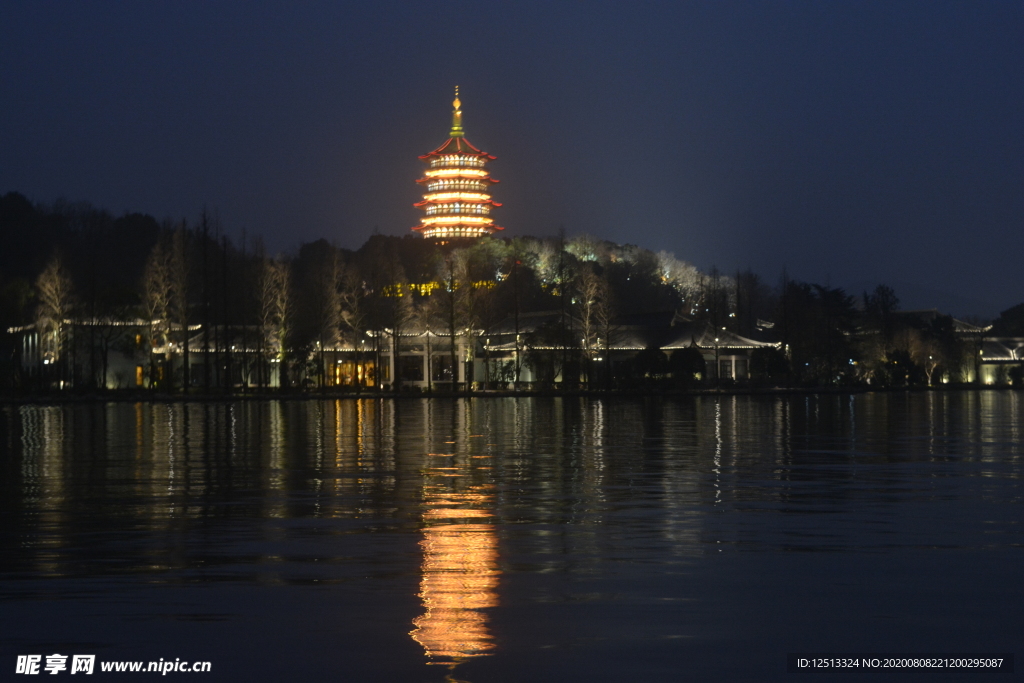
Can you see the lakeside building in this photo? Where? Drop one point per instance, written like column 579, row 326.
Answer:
column 991, row 357
column 457, row 202
column 545, row 349
column 998, row 356
column 553, row 348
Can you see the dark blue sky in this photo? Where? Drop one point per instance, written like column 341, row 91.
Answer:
column 851, row 142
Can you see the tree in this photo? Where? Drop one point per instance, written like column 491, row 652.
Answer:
column 650, row 366
column 178, row 277
column 684, row 278
column 456, row 305
column 880, row 307
column 275, row 314
column 586, row 248
column 915, row 355
column 816, row 324
column 517, row 254
column 352, row 296
column 604, row 314
column 545, row 257
column 427, row 316
column 768, row 365
column 717, row 297
column 1010, row 322
column 686, row 366
column 753, row 302
column 56, row 297
column 593, row 309
column 325, row 299
column 551, row 351
column 396, row 305
column 955, row 354
column 156, row 293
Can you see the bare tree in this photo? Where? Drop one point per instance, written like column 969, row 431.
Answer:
column 718, row 298
column 604, row 313
column 922, row 351
column 400, row 312
column 456, row 302
column 427, row 316
column 517, row 253
column 591, row 307
column 56, row 298
column 327, row 303
column 352, row 297
column 156, row 296
column 178, row 276
column 275, row 313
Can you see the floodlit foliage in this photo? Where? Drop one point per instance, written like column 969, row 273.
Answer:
column 183, row 281
column 55, row 292
column 275, row 307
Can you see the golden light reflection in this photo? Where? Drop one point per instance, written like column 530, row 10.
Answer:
column 460, row 568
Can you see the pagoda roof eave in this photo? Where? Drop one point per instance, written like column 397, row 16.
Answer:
column 466, row 201
column 477, row 179
column 434, row 227
column 461, row 146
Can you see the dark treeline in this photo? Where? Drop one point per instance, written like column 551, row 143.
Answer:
column 135, row 285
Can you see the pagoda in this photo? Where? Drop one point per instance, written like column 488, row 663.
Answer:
column 457, row 202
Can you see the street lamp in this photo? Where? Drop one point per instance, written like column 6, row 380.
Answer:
column 718, row 367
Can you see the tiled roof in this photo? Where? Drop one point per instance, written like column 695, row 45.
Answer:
column 457, row 145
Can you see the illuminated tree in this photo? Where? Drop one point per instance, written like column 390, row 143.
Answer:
column 156, row 293
column 517, row 254
column 586, row 248
column 354, row 315
column 683, row 277
column 275, row 313
column 593, row 309
column 56, row 297
column 545, row 256
column 178, row 303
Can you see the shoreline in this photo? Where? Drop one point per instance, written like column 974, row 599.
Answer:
column 148, row 397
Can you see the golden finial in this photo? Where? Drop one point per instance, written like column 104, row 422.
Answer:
column 457, row 116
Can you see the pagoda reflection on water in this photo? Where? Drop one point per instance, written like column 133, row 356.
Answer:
column 460, row 566
column 457, row 202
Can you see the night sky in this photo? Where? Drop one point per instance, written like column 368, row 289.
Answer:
column 851, row 142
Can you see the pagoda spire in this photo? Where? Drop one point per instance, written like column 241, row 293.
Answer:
column 457, row 131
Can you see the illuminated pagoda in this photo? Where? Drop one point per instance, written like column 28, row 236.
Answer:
column 457, row 202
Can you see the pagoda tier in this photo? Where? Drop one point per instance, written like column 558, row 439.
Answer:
column 457, row 202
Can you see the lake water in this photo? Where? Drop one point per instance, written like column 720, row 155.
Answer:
column 514, row 539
